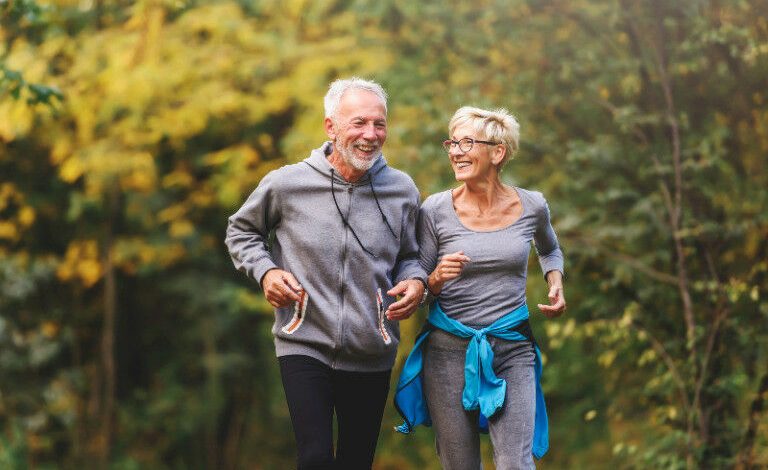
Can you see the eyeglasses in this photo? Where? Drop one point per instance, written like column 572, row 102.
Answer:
column 465, row 144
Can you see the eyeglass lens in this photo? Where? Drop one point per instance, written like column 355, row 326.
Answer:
column 465, row 144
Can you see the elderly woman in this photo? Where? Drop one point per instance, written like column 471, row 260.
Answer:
column 476, row 366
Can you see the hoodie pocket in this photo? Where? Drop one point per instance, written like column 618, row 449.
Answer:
column 299, row 314
column 381, row 325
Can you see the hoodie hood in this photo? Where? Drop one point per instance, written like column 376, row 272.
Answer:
column 318, row 160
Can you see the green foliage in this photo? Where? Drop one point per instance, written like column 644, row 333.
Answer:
column 126, row 337
column 11, row 82
column 12, row 15
column 21, row 10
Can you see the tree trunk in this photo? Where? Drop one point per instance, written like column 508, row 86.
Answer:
column 747, row 459
column 108, row 334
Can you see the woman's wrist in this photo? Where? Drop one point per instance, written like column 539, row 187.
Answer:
column 433, row 284
column 555, row 279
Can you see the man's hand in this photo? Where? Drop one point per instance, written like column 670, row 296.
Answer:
column 556, row 305
column 412, row 291
column 280, row 288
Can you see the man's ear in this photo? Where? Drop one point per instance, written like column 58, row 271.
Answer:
column 330, row 129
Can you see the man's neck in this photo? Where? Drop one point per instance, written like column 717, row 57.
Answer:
column 347, row 172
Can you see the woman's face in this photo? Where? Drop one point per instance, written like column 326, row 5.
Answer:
column 478, row 162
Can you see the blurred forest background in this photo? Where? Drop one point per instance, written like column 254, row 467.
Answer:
column 130, row 131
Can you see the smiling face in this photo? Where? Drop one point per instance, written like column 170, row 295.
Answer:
column 358, row 129
column 480, row 163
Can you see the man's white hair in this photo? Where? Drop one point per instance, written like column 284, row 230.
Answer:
column 337, row 89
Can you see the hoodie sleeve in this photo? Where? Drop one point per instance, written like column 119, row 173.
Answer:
column 408, row 266
column 427, row 237
column 248, row 230
column 428, row 244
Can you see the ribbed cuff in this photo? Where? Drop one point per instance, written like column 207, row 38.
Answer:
column 261, row 267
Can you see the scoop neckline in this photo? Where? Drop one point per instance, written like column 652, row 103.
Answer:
column 458, row 219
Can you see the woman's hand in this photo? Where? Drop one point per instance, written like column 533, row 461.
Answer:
column 556, row 305
column 449, row 267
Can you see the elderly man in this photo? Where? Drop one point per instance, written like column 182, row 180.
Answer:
column 344, row 248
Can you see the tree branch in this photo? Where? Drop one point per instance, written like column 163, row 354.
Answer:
column 634, row 263
column 670, row 363
column 675, row 214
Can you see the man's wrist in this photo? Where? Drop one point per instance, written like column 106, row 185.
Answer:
column 425, row 294
column 263, row 276
column 425, row 286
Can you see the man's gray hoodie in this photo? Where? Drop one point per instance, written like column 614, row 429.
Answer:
column 340, row 320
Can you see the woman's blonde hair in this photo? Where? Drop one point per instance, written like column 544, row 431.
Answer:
column 496, row 126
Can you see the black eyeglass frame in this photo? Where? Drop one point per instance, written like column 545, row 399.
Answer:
column 448, row 143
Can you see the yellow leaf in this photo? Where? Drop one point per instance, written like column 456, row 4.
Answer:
column 60, row 397
column 49, row 329
column 606, row 359
column 147, row 254
column 202, row 198
column 672, row 412
column 81, row 261
column 570, row 326
column 141, row 181
column 71, row 170
column 7, row 190
column 181, row 228
column 89, row 271
column 62, row 148
column 26, row 216
column 172, row 254
column 8, row 231
column 15, row 119
column 172, row 213
column 178, row 178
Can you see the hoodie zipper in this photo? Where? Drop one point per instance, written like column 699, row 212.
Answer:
column 340, row 342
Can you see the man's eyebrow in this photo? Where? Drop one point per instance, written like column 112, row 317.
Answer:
column 363, row 118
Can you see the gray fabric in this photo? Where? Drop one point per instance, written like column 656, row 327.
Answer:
column 456, row 435
column 342, row 323
column 493, row 283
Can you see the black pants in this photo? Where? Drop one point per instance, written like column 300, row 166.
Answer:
column 314, row 391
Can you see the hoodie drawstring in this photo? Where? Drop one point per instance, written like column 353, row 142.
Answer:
column 346, row 222
column 383, row 217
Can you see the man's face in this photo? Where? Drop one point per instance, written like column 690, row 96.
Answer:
column 359, row 128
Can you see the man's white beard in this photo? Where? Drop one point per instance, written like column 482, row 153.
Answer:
column 349, row 156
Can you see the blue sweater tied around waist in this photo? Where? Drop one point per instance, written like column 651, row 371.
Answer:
column 482, row 389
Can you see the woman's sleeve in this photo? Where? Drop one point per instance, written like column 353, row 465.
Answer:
column 546, row 244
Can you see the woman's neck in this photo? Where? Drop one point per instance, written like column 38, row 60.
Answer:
column 487, row 207
column 481, row 195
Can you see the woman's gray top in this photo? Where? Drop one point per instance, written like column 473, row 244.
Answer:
column 493, row 283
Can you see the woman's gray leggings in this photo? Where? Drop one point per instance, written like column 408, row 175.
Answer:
column 456, row 433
